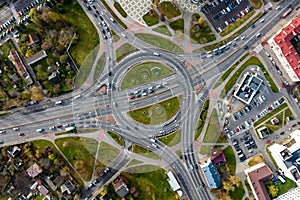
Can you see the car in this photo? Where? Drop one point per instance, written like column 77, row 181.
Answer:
column 294, row 125
column 1, row 142
column 21, row 134
column 2, row 132
column 96, row 181
column 268, row 141
column 262, row 20
column 40, row 130
column 16, row 129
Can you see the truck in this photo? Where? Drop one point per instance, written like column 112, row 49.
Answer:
column 71, row 128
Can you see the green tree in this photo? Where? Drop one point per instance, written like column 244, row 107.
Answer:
column 50, row 61
column 63, row 59
column 235, row 180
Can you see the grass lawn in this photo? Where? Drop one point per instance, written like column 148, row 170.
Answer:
column 172, row 139
column 159, row 42
column 145, row 152
column 107, row 153
column 86, row 67
column 238, row 23
column 230, row 157
column 151, row 185
column 256, row 3
column 169, row 9
column 80, row 152
column 269, row 115
column 228, row 72
column 213, row 129
column 287, row 113
column 99, row 66
column 120, row 9
column 201, row 34
column 144, row 73
column 257, row 159
column 86, row 130
column 116, row 38
column 157, row 113
column 116, row 138
column 251, row 61
column 202, row 119
column 205, row 149
column 179, row 153
column 43, row 144
column 163, row 30
column 177, row 25
column 238, row 193
column 124, row 50
column 283, row 188
column 88, row 36
column 134, row 162
column 151, row 19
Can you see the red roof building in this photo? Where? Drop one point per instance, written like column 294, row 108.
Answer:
column 256, row 176
column 285, row 50
column 218, row 156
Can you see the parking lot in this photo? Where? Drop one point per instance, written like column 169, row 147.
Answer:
column 221, row 13
column 245, row 146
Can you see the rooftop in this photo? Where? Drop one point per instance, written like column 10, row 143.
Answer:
column 211, row 175
column 256, row 175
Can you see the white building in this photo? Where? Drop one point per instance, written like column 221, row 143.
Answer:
column 293, row 194
column 287, row 156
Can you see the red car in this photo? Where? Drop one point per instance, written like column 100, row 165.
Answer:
column 268, row 141
column 21, row 134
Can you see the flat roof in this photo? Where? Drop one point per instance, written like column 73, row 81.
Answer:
column 172, row 181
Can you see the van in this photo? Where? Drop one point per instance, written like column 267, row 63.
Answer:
column 153, row 140
column 257, row 35
column 58, row 103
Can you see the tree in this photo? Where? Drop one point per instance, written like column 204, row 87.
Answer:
column 235, row 180
column 65, row 171
column 63, row 58
column 36, row 93
column 50, row 61
column 54, row 16
column 201, row 21
column 228, row 186
column 29, row 53
column 273, row 189
column 221, row 195
column 52, row 156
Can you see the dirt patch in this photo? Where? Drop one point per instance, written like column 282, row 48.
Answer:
column 108, row 118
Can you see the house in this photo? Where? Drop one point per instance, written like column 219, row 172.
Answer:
column 67, row 187
column 218, row 157
column 120, row 187
column 256, row 175
column 54, row 77
column 287, row 156
column 211, row 175
column 22, row 71
column 34, row 39
column 263, row 132
column 36, row 57
column 34, row 170
column 14, row 151
column 275, row 121
column 42, row 189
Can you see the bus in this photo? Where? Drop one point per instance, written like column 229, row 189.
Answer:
column 286, row 13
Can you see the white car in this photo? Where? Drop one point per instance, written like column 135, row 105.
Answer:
column 261, row 20
column 16, row 129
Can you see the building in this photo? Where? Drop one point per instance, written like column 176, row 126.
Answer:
column 287, row 156
column 34, row 170
column 15, row 58
column 14, row 151
column 275, row 121
column 247, row 87
column 256, row 175
column 283, row 44
column 211, row 175
column 263, row 132
column 174, row 183
column 120, row 187
column 54, row 78
column 67, row 187
column 36, row 57
column 218, row 157
column 293, row 194
column 34, row 39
